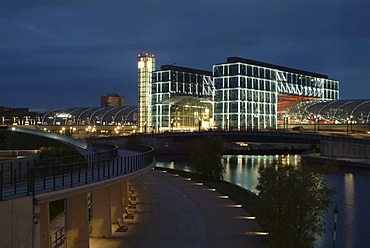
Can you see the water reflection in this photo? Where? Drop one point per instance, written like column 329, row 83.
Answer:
column 349, row 198
column 242, row 170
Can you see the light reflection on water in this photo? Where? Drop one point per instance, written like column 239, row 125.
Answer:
column 352, row 190
column 242, row 170
column 349, row 198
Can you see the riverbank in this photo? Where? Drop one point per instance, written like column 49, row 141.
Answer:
column 337, row 161
column 236, row 193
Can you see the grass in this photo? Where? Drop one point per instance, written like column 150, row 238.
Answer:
column 24, row 141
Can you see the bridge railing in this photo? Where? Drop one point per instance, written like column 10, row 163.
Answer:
column 314, row 137
column 23, row 179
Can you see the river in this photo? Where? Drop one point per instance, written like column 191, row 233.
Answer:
column 352, row 195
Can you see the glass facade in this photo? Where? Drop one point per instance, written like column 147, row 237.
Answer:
column 146, row 65
column 247, row 92
column 182, row 99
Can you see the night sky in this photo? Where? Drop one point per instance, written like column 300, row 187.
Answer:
column 67, row 53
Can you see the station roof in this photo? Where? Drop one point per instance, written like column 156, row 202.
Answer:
column 338, row 111
column 91, row 116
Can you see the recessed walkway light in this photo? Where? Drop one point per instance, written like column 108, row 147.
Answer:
column 235, row 205
column 199, row 184
column 246, row 217
column 256, row 233
column 223, row 196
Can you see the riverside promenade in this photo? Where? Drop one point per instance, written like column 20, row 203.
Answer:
column 173, row 211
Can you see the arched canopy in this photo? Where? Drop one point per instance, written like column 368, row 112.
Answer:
column 336, row 112
column 100, row 116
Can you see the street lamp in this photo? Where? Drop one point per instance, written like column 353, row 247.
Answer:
column 284, row 122
column 347, row 125
column 335, row 212
column 318, row 122
column 287, row 121
column 351, row 123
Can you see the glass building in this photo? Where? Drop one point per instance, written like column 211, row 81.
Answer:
column 254, row 95
column 146, row 65
column 182, row 99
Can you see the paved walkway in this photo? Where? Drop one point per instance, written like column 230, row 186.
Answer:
column 172, row 211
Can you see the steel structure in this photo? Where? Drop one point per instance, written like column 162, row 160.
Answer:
column 182, row 99
column 356, row 111
column 90, row 116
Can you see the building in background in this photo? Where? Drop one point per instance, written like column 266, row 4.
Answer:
column 255, row 95
column 182, row 99
column 18, row 116
column 112, row 100
column 146, row 65
column 240, row 94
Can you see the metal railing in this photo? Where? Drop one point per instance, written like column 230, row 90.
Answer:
column 26, row 178
column 58, row 238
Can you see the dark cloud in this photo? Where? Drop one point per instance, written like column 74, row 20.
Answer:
column 68, row 53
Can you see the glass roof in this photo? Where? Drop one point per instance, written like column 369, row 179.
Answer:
column 337, row 112
column 91, row 116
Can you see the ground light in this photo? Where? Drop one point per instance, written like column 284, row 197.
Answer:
column 235, row 206
column 256, row 233
column 198, row 184
column 246, row 217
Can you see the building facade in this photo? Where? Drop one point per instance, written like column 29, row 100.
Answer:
column 240, row 94
column 112, row 100
column 146, row 65
column 182, row 99
column 252, row 94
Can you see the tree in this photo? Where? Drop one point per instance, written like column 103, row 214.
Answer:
column 205, row 157
column 291, row 203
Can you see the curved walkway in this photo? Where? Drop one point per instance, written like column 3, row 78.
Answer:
column 173, row 211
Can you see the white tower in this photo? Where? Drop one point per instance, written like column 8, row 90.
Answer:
column 146, row 65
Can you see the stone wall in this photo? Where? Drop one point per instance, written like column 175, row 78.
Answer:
column 344, row 150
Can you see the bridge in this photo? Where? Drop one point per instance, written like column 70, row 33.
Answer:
column 97, row 180
column 331, row 144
